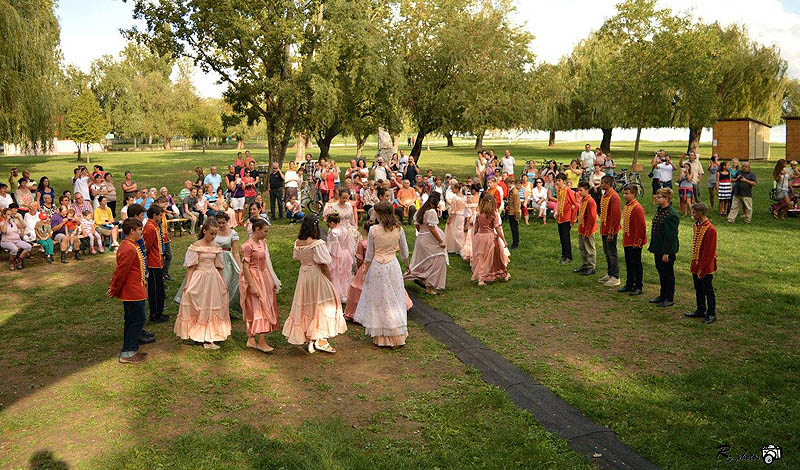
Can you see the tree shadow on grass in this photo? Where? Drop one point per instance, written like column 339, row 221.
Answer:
column 46, row 460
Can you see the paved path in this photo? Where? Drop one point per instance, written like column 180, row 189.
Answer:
column 554, row 414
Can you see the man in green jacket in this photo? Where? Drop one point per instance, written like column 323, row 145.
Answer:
column 664, row 246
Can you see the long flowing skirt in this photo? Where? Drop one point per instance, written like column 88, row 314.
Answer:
column 259, row 317
column 354, row 292
column 488, row 259
column 428, row 262
column 383, row 305
column 203, row 313
column 454, row 235
column 316, row 309
column 230, row 274
column 466, row 249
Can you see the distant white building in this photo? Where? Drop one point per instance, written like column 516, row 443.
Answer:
column 59, row 147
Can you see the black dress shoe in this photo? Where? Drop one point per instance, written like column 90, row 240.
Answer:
column 578, row 270
column 635, row 292
column 158, row 318
column 587, row 272
column 694, row 314
column 710, row 319
column 657, row 300
column 666, row 303
column 146, row 339
column 147, row 333
column 625, row 289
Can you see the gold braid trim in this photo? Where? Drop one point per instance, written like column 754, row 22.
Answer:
column 626, row 216
column 562, row 196
column 584, row 203
column 604, row 207
column 699, row 234
column 138, row 255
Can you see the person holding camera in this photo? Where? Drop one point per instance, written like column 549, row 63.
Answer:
column 664, row 245
column 379, row 171
column 276, row 181
column 743, row 194
column 665, row 168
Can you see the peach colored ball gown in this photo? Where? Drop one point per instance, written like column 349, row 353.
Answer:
column 203, row 314
column 342, row 253
column 488, row 259
column 383, row 305
column 259, row 317
column 454, row 235
column 429, row 260
column 316, row 309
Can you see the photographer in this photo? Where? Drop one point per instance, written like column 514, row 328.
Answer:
column 379, row 171
column 743, row 194
column 276, row 180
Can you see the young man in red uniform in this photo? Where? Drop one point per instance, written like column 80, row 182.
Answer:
column 634, row 237
column 154, row 247
column 128, row 285
column 587, row 226
column 610, row 215
column 704, row 264
column 566, row 214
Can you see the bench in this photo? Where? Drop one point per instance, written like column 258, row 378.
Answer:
column 176, row 226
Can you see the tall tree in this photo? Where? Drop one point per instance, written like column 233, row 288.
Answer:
column 203, row 121
column 552, row 87
column 257, row 48
column 29, row 61
column 85, row 122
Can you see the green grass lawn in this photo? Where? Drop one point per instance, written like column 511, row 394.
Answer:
column 672, row 388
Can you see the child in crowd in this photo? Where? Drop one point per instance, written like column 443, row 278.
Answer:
column 704, row 264
column 128, row 285
column 44, row 235
column 293, row 210
column 587, row 226
column 634, row 237
column 72, row 225
column 341, row 266
column 88, row 230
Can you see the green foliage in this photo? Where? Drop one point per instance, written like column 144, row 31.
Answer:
column 85, row 122
column 203, row 121
column 29, row 38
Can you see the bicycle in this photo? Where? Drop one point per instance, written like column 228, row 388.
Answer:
column 626, row 177
column 308, row 198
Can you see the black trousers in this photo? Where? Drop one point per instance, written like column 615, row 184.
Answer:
column 135, row 317
column 411, row 211
column 612, row 257
column 704, row 291
column 276, row 198
column 514, row 223
column 633, row 266
column 666, row 275
column 167, row 258
column 155, row 291
column 564, row 229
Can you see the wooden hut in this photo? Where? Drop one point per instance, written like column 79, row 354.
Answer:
column 745, row 139
column 792, row 137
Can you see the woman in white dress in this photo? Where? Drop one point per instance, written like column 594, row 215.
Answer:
column 454, row 231
column 539, row 199
column 470, row 211
column 429, row 261
column 383, row 306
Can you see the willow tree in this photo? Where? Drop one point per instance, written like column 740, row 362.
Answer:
column 551, row 88
column 29, row 65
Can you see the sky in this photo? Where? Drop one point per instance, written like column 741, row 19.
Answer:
column 90, row 28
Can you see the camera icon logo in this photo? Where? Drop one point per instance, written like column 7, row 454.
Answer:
column 770, row 453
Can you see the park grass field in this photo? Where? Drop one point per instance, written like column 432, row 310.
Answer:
column 672, row 388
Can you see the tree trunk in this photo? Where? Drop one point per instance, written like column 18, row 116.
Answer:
column 324, row 145
column 79, row 151
column 167, row 143
column 551, row 142
column 134, row 142
column 300, row 147
column 360, row 141
column 605, row 145
column 479, row 140
column 417, row 149
column 636, row 145
column 395, row 143
column 449, row 136
column 149, row 139
column 239, row 143
column 204, row 144
column 694, row 139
